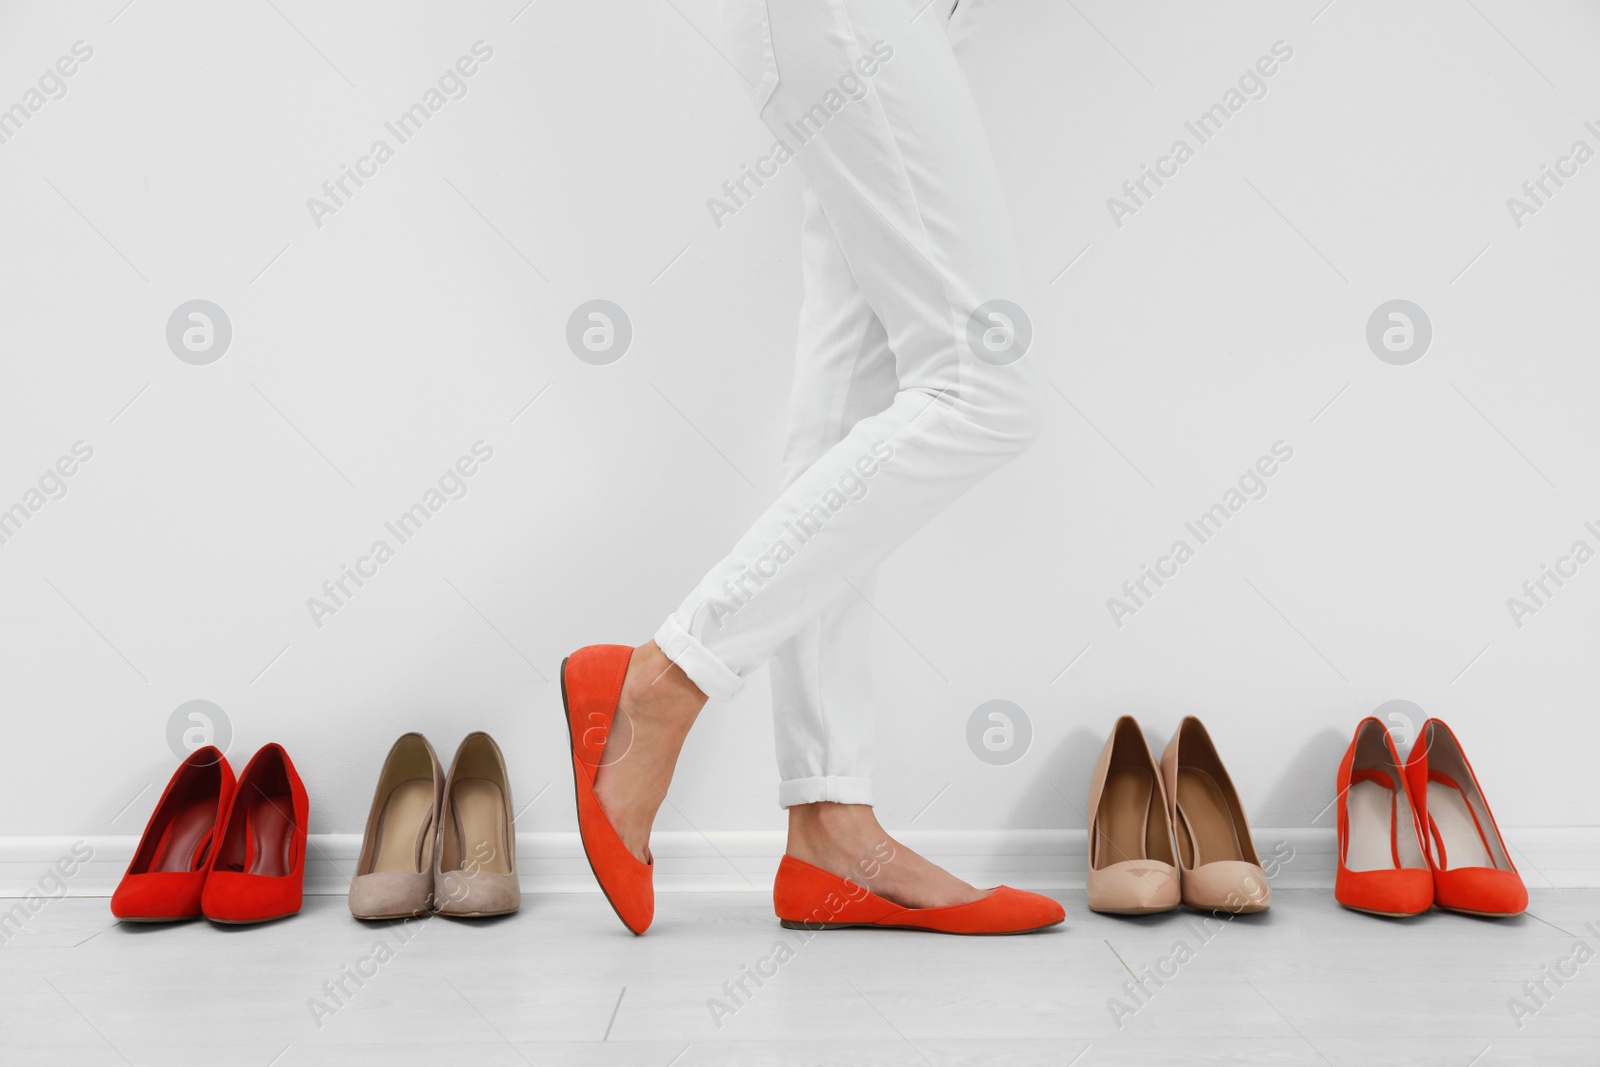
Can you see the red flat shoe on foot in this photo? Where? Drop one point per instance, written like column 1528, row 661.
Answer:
column 591, row 685
column 258, row 868
column 168, row 872
column 810, row 898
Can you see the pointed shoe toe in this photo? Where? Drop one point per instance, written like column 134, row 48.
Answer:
column 1482, row 891
column 476, row 893
column 591, row 686
column 236, row 897
column 1394, row 893
column 1004, row 911
column 1234, row 886
column 1018, row 910
column 1134, row 887
column 391, row 894
column 166, row 896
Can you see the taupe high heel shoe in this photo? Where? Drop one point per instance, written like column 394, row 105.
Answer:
column 1217, row 861
column 394, row 876
column 475, row 872
column 1132, row 868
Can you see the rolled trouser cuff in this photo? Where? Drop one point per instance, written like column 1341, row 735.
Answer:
column 705, row 670
column 833, row 788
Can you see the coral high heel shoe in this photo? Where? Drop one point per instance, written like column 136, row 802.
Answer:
column 810, row 898
column 258, row 868
column 1132, row 863
column 168, row 872
column 591, row 685
column 1217, row 861
column 1381, row 865
column 1472, row 870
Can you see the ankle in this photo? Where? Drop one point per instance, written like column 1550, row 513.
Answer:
column 657, row 688
column 837, row 833
column 847, row 840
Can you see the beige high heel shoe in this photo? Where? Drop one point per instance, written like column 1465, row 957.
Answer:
column 476, row 869
column 1217, row 861
column 1132, row 867
column 394, row 876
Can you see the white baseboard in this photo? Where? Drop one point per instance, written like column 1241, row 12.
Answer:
column 730, row 861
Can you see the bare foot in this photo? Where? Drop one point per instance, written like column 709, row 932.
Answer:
column 658, row 706
column 846, row 840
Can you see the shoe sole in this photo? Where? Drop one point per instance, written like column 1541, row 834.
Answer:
column 572, row 750
column 1382, row 914
column 477, row 914
column 156, row 918
column 801, row 924
column 1253, row 909
column 1136, row 911
column 1482, row 914
column 252, row 922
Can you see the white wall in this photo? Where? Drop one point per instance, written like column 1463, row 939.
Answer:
column 1229, row 313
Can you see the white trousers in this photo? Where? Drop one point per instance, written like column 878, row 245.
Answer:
column 903, row 397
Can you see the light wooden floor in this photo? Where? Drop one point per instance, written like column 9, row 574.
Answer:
column 563, row 983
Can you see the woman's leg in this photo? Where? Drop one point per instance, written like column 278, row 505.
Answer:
column 880, row 122
column 822, row 701
column 821, row 674
column 905, row 177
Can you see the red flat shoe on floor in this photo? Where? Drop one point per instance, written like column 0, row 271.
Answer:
column 810, row 898
column 168, row 872
column 1381, row 866
column 1472, row 869
column 258, row 868
column 591, row 685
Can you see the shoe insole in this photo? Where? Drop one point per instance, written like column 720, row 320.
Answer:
column 1371, row 807
column 478, row 808
column 186, row 838
column 271, row 823
column 401, row 835
column 1206, row 833
column 1460, row 842
column 1123, row 818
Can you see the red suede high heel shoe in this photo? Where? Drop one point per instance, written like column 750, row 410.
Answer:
column 258, row 867
column 591, row 685
column 809, row 898
column 1472, row 869
column 168, row 872
column 1381, row 865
